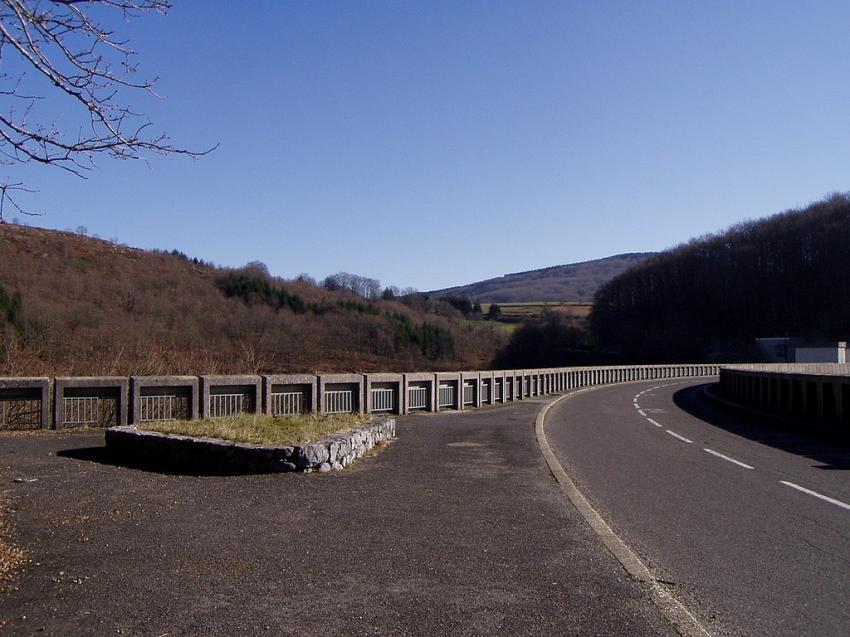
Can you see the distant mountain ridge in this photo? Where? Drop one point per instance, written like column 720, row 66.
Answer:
column 570, row 282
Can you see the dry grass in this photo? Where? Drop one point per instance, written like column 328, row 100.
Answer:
column 260, row 429
column 11, row 557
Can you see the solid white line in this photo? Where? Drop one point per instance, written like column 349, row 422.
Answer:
column 653, row 422
column 839, row 503
column 675, row 435
column 728, row 459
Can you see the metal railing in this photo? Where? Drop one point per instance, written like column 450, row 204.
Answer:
column 485, row 392
column 417, row 398
column 469, row 393
column 383, row 399
column 89, row 410
column 20, row 414
column 287, row 403
column 339, row 401
column 163, row 407
column 446, row 396
column 223, row 405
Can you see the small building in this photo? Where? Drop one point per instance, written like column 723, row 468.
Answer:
column 827, row 353
column 779, row 349
column 783, row 349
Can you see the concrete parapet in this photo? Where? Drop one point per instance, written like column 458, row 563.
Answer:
column 449, row 385
column 376, row 391
column 230, row 395
column 284, row 394
column 818, row 391
column 510, row 385
column 339, row 393
column 487, row 388
column 423, row 386
column 822, row 369
column 470, row 383
column 20, row 391
column 89, row 401
column 105, row 400
column 164, row 398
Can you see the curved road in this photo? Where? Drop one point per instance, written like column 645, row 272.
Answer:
column 746, row 521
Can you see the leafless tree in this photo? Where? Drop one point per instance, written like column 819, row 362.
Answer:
column 359, row 285
column 61, row 50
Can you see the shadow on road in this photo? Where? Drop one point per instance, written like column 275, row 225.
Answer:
column 102, row 455
column 829, row 448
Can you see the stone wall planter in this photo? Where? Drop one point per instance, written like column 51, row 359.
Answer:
column 332, row 452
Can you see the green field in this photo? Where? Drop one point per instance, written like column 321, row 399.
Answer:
column 517, row 312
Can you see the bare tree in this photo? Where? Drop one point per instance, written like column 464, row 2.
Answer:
column 59, row 49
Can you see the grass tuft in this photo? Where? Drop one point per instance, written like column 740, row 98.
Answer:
column 260, row 429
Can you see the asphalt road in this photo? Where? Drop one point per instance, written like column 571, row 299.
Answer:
column 713, row 502
column 455, row 528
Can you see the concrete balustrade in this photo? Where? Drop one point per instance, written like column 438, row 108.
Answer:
column 105, row 401
column 384, row 393
column 449, row 391
column 24, row 403
column 164, row 398
column 230, row 395
column 287, row 394
column 420, row 392
column 819, row 391
column 341, row 393
column 89, row 401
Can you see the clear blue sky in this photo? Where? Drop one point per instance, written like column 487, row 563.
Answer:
column 435, row 143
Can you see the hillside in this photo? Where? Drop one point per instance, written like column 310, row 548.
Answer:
column 785, row 275
column 74, row 305
column 572, row 282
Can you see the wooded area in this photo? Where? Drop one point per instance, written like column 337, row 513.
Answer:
column 708, row 299
column 74, row 305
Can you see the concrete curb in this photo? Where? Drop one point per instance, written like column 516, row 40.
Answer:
column 673, row 610
column 332, row 452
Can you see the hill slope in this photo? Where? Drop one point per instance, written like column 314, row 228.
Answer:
column 788, row 274
column 572, row 282
column 75, row 305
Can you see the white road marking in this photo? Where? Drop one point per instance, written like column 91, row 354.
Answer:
column 728, row 459
column 640, row 411
column 679, row 437
column 826, row 498
column 653, row 422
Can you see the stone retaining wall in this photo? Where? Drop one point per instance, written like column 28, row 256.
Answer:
column 332, row 452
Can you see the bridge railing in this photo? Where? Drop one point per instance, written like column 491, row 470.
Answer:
column 817, row 391
column 96, row 401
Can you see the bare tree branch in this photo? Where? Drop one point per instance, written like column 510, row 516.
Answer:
column 70, row 55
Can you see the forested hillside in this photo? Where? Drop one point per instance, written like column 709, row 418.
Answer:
column 710, row 298
column 572, row 282
column 70, row 304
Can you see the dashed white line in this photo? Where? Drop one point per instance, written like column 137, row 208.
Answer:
column 826, row 498
column 640, row 411
column 653, row 422
column 727, row 458
column 678, row 436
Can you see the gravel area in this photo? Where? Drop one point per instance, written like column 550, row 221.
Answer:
column 456, row 527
